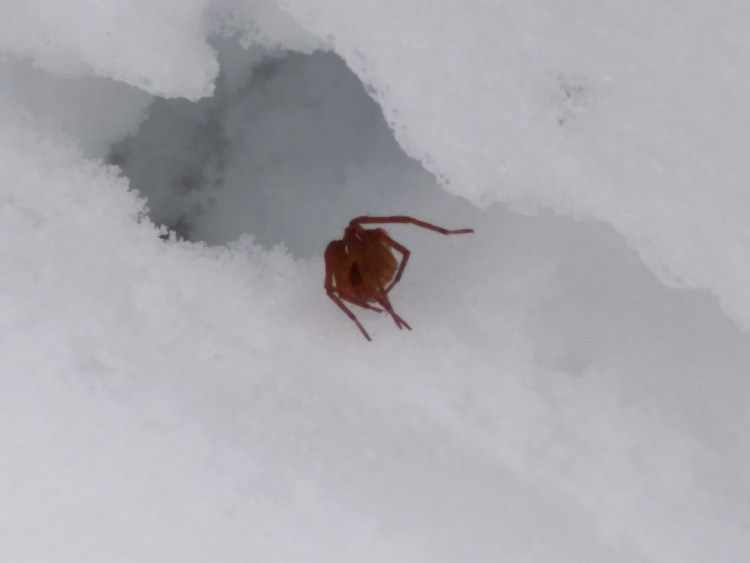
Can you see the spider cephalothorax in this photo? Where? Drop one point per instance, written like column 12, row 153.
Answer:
column 362, row 269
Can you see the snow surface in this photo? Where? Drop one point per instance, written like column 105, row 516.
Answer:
column 577, row 384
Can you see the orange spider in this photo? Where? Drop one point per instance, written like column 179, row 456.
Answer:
column 360, row 267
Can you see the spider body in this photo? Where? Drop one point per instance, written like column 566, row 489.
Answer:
column 361, row 267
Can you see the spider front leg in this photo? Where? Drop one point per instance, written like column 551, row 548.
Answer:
column 402, row 266
column 406, row 219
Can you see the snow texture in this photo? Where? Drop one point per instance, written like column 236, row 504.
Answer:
column 634, row 114
column 575, row 388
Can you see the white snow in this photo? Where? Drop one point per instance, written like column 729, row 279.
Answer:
column 160, row 47
column 563, row 396
column 632, row 114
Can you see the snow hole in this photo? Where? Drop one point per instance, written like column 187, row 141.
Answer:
column 288, row 149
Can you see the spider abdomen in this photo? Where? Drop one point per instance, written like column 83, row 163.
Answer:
column 377, row 261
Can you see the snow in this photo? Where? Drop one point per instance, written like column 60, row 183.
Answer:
column 634, row 115
column 575, row 387
column 160, row 47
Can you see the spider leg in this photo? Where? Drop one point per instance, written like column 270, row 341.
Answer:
column 348, row 313
column 401, row 267
column 362, row 304
column 367, row 220
column 386, row 303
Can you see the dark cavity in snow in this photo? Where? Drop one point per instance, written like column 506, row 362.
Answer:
column 288, row 149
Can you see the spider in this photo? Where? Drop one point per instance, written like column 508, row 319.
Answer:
column 362, row 269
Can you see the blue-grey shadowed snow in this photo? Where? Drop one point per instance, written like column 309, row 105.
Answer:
column 289, row 149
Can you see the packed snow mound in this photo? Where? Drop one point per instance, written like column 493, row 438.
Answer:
column 160, row 47
column 635, row 115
